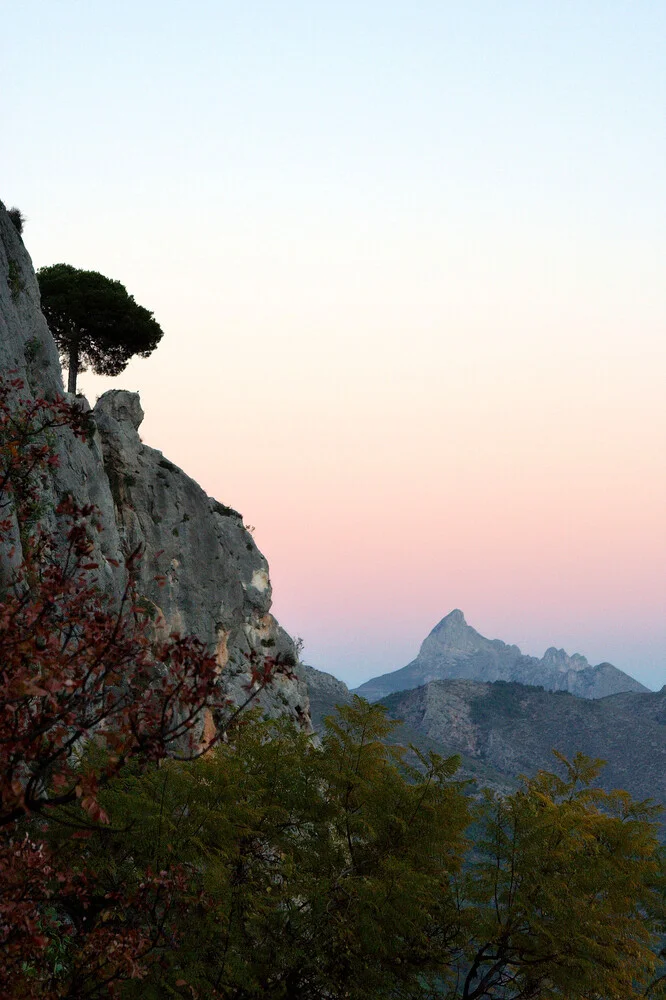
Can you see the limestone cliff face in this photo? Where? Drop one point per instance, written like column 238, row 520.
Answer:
column 217, row 582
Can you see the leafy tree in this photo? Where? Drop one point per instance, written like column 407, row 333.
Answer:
column 342, row 871
column 94, row 321
column 312, row 871
column 561, row 897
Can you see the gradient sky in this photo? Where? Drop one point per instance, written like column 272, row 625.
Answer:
column 409, row 262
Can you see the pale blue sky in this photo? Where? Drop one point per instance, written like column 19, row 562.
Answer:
column 409, row 260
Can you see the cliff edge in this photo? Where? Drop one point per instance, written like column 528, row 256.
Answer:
column 217, row 583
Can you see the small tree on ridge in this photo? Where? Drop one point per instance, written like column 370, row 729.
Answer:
column 95, row 322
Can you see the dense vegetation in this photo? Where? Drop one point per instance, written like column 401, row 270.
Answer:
column 266, row 864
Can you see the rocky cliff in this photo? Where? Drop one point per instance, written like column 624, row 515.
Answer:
column 217, row 582
column 455, row 650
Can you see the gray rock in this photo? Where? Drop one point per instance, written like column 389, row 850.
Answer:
column 326, row 693
column 455, row 650
column 200, row 567
column 26, row 346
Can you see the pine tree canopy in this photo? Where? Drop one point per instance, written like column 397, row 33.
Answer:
column 95, row 322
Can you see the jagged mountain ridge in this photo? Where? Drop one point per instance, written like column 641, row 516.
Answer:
column 217, row 581
column 453, row 649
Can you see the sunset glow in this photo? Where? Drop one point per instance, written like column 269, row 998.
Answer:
column 409, row 262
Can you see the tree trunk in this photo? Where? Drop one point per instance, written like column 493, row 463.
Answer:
column 73, row 366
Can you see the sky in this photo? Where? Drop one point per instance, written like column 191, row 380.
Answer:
column 409, row 263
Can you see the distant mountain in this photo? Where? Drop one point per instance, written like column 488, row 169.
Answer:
column 327, row 692
column 455, row 650
column 504, row 729
column 514, row 728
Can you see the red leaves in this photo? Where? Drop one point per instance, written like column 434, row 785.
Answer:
column 263, row 670
column 42, row 904
column 26, row 877
column 54, row 684
column 91, row 806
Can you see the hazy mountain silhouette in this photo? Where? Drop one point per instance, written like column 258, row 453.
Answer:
column 455, row 650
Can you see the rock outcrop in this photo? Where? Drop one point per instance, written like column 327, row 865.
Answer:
column 455, row 650
column 326, row 693
column 215, row 581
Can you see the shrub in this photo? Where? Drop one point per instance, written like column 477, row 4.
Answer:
column 17, row 217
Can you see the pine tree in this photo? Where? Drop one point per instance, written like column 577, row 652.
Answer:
column 94, row 321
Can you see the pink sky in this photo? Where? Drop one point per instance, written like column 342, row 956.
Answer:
column 409, row 264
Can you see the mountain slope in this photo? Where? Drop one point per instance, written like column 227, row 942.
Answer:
column 514, row 728
column 326, row 692
column 455, row 650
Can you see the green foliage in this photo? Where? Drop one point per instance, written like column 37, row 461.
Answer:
column 32, row 349
column 557, row 891
column 94, row 321
column 223, row 510
column 56, row 957
column 500, row 701
column 18, row 219
column 146, row 607
column 342, row 870
column 312, row 871
column 14, row 279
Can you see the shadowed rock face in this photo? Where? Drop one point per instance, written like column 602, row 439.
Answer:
column 455, row 650
column 217, row 582
column 326, row 693
column 514, row 728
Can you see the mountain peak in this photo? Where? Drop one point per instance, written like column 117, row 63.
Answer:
column 454, row 649
column 453, row 630
column 455, row 617
column 558, row 659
